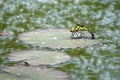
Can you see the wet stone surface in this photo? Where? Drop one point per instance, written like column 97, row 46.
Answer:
column 57, row 38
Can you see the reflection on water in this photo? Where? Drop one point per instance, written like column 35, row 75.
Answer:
column 101, row 62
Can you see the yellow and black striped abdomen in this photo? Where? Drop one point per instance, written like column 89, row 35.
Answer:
column 83, row 29
column 78, row 28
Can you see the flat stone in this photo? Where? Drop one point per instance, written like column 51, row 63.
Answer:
column 39, row 57
column 32, row 73
column 56, row 38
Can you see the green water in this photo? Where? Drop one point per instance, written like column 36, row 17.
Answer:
column 100, row 62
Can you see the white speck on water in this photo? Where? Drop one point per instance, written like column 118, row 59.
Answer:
column 38, row 69
column 43, row 42
column 54, row 37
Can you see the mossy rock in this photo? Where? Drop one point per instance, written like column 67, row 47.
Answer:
column 39, row 57
column 32, row 73
column 56, row 38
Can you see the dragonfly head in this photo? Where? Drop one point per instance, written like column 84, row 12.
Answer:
column 73, row 28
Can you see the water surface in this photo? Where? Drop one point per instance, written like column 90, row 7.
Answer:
column 101, row 62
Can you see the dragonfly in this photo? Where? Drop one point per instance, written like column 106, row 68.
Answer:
column 79, row 29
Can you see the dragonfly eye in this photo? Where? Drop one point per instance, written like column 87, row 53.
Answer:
column 72, row 30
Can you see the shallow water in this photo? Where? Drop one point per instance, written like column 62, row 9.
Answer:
column 101, row 62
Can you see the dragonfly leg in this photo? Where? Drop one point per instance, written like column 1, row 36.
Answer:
column 72, row 35
column 77, row 34
column 82, row 34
